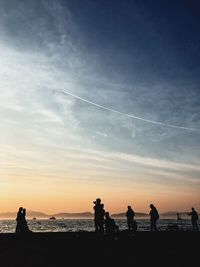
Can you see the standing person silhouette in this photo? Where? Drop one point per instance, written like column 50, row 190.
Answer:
column 19, row 220
column 130, row 218
column 25, row 228
column 194, row 219
column 22, row 226
column 178, row 217
column 99, row 213
column 154, row 216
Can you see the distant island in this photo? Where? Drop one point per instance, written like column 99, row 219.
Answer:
column 173, row 214
column 42, row 215
column 84, row 215
column 123, row 215
column 88, row 215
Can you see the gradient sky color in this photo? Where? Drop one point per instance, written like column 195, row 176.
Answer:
column 61, row 62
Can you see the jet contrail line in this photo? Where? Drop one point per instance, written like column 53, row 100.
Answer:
column 129, row 115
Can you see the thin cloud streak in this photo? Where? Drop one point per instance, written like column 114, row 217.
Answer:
column 129, row 115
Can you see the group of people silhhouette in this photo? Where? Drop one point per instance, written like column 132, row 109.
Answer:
column 105, row 224
column 102, row 220
column 22, row 226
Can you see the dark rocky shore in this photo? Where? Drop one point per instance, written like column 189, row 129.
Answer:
column 170, row 249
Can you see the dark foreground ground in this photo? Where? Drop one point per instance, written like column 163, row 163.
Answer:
column 88, row 249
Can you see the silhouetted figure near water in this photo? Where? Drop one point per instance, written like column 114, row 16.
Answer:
column 99, row 213
column 22, row 226
column 178, row 217
column 132, row 226
column 154, row 216
column 19, row 220
column 194, row 219
column 110, row 225
column 25, row 228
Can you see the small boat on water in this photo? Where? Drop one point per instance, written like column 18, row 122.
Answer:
column 52, row 218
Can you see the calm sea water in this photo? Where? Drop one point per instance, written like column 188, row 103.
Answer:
column 73, row 225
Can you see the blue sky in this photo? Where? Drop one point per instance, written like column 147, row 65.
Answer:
column 133, row 57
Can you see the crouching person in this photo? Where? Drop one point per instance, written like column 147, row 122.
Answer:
column 110, row 225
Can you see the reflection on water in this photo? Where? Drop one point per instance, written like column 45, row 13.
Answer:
column 73, row 225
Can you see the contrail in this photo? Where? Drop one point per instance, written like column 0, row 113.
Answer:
column 129, row 115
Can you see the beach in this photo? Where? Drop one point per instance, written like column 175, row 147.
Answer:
column 166, row 248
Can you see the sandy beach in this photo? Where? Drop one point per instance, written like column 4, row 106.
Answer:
column 89, row 249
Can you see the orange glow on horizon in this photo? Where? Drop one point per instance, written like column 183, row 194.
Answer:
column 81, row 200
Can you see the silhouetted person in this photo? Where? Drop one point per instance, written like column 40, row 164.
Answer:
column 22, row 226
column 99, row 213
column 19, row 220
column 178, row 217
column 179, row 220
column 194, row 219
column 130, row 219
column 110, row 225
column 154, row 216
column 25, row 228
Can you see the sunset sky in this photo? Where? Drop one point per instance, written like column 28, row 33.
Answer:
column 99, row 98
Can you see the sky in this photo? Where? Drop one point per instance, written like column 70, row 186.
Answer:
column 99, row 99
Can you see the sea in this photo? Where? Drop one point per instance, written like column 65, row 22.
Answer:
column 79, row 225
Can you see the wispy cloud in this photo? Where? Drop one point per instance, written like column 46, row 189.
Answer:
column 91, row 113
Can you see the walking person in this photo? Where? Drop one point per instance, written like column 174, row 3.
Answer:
column 194, row 219
column 154, row 216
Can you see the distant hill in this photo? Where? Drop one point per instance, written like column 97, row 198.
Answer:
column 123, row 215
column 29, row 213
column 73, row 215
column 173, row 214
column 8, row 214
column 38, row 214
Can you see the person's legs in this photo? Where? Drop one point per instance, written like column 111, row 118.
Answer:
column 17, row 228
column 96, row 225
column 129, row 225
column 195, row 226
column 101, row 228
column 132, row 225
column 152, row 228
column 155, row 226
